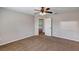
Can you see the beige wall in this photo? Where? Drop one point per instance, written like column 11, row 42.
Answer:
column 15, row 26
column 66, row 25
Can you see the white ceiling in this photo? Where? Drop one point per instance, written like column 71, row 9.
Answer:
column 30, row 10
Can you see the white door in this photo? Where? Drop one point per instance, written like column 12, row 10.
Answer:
column 47, row 26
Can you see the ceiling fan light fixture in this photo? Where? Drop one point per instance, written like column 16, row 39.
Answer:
column 42, row 13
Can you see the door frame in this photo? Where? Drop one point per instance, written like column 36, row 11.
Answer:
column 37, row 25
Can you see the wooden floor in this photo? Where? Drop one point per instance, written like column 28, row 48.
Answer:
column 41, row 43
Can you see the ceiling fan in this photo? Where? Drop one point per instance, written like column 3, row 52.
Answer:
column 44, row 10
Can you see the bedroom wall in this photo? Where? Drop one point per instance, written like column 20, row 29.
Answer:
column 66, row 25
column 15, row 26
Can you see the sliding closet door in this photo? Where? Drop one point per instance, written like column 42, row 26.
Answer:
column 47, row 26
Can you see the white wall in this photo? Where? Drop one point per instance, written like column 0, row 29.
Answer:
column 66, row 25
column 47, row 26
column 36, row 25
column 15, row 26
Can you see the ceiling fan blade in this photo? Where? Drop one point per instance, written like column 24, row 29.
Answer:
column 49, row 12
column 47, row 8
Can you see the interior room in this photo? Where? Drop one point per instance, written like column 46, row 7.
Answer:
column 39, row 28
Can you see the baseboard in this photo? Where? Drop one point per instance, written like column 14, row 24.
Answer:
column 77, row 40
column 15, row 40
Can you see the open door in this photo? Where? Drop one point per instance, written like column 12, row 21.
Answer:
column 47, row 26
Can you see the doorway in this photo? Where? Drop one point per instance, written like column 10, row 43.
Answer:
column 41, row 27
column 45, row 27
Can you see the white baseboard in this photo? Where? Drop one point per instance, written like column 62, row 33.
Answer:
column 15, row 40
column 77, row 40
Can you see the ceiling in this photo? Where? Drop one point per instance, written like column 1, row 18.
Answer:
column 30, row 10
